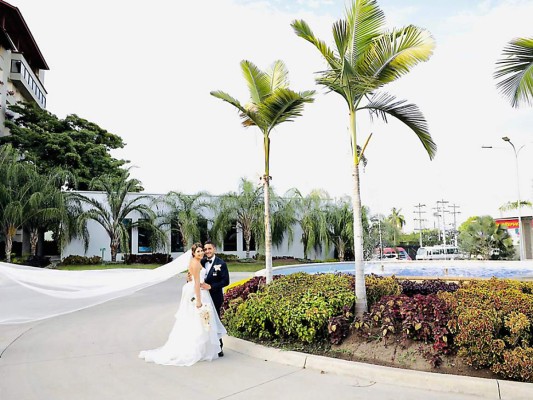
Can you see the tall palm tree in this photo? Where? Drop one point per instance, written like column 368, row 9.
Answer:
column 112, row 213
column 271, row 103
column 366, row 58
column 312, row 219
column 186, row 212
column 339, row 222
column 515, row 71
column 244, row 207
column 397, row 221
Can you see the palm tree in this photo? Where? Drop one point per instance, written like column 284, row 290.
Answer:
column 271, row 103
column 49, row 208
column 112, row 213
column 18, row 198
column 186, row 213
column 366, row 58
column 339, row 221
column 245, row 208
column 397, row 222
column 312, row 219
column 515, row 71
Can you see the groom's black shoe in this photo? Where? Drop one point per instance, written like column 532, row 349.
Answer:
column 221, row 354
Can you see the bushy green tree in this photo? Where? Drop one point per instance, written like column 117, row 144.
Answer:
column 481, row 236
column 73, row 144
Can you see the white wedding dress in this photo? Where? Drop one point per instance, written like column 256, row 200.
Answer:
column 192, row 339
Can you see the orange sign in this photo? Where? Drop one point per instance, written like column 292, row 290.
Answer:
column 508, row 223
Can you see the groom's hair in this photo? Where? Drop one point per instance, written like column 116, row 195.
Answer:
column 208, row 241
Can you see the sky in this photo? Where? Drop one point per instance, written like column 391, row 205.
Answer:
column 143, row 70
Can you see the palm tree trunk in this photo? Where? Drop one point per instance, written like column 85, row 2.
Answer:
column 34, row 239
column 360, row 289
column 114, row 249
column 247, row 240
column 9, row 243
column 268, row 234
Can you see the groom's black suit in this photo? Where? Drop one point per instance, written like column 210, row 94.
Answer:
column 218, row 278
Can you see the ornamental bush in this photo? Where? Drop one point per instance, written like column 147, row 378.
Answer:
column 81, row 260
column 491, row 321
column 433, row 286
column 294, row 307
column 419, row 318
column 517, row 364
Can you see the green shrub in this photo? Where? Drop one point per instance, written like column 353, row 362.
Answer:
column 296, row 307
column 228, row 257
column 81, row 260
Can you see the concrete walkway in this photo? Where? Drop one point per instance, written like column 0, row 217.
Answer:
column 92, row 354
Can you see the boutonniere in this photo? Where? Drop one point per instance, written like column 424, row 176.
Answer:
column 217, row 267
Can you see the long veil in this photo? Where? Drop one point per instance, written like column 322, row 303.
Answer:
column 31, row 294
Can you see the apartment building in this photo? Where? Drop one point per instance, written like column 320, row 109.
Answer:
column 22, row 65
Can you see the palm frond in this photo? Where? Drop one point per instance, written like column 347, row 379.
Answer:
column 258, row 82
column 517, row 68
column 278, row 76
column 284, row 105
column 304, row 31
column 248, row 114
column 365, row 21
column 385, row 104
column 397, row 52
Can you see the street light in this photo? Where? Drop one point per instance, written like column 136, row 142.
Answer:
column 520, row 233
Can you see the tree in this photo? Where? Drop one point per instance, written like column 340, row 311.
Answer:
column 271, row 103
column 72, row 144
column 397, row 221
column 21, row 200
column 244, row 208
column 49, row 207
column 515, row 71
column 481, row 236
column 339, row 220
column 513, row 205
column 366, row 58
column 311, row 217
column 112, row 213
column 186, row 213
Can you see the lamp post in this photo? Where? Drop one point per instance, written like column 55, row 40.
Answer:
column 520, row 233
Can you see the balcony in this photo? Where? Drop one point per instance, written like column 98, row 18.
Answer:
column 25, row 80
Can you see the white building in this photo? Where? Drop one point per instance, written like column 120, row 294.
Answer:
column 22, row 64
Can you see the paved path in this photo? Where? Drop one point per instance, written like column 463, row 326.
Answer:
column 92, row 354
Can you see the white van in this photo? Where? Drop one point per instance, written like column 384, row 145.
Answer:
column 439, row 253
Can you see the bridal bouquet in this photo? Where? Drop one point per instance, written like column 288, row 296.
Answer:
column 204, row 316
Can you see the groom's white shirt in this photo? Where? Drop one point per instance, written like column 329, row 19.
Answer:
column 209, row 265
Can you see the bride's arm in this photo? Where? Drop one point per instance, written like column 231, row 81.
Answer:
column 196, row 275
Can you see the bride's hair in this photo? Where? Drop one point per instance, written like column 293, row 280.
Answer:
column 195, row 246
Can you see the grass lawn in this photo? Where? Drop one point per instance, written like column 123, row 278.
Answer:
column 232, row 266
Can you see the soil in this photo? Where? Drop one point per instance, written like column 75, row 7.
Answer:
column 407, row 356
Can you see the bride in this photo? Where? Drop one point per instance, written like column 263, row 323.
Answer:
column 197, row 330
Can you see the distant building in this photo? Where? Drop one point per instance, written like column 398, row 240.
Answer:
column 22, row 64
column 509, row 220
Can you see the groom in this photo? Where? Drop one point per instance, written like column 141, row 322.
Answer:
column 216, row 278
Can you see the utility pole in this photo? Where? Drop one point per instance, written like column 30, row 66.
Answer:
column 440, row 208
column 455, row 212
column 420, row 219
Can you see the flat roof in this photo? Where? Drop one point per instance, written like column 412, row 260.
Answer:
column 15, row 35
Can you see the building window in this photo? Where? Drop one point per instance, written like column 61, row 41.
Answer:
column 144, row 239
column 230, row 241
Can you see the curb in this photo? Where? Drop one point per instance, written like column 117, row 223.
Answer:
column 485, row 388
